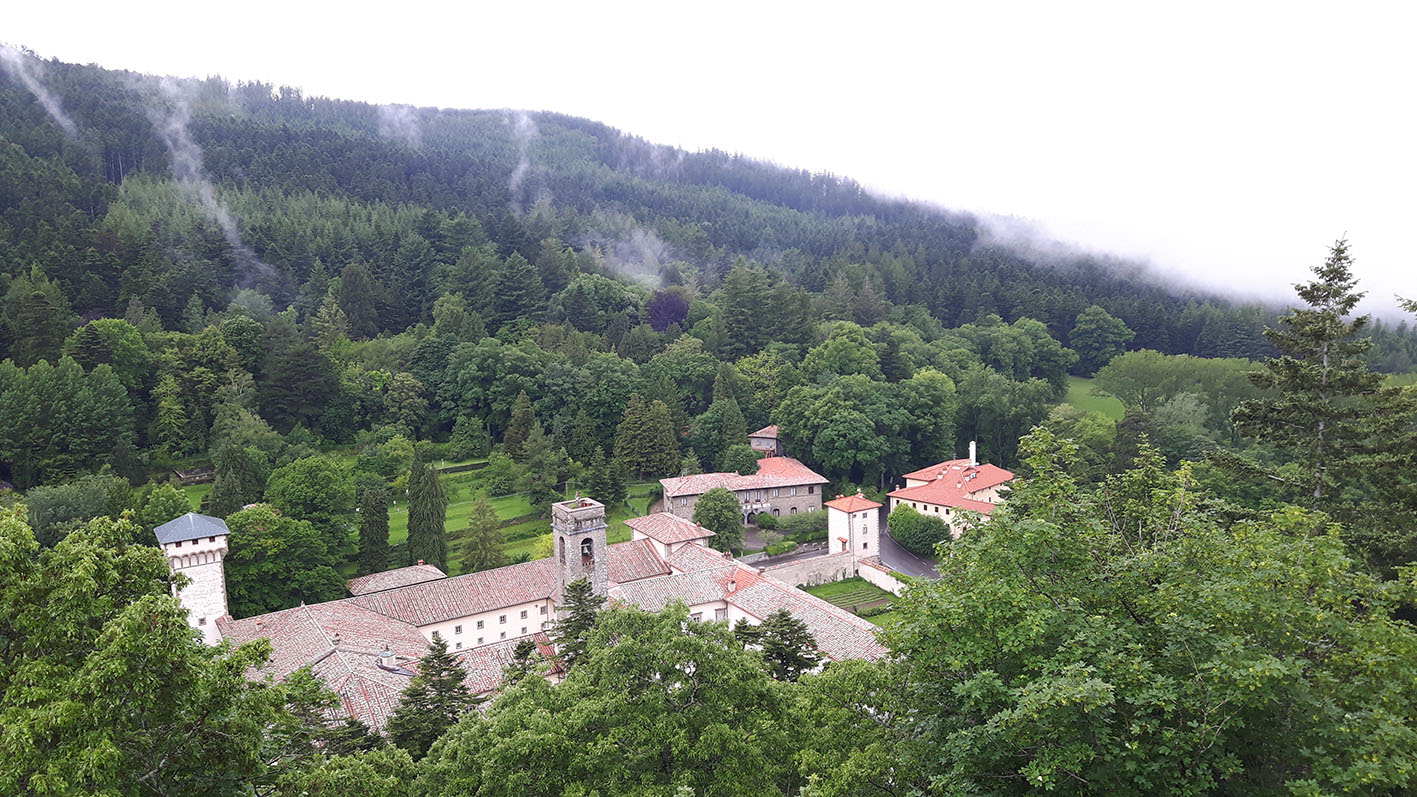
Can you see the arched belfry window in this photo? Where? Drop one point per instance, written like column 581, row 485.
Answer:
column 561, row 549
column 587, row 551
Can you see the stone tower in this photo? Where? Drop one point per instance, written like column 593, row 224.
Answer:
column 195, row 546
column 578, row 527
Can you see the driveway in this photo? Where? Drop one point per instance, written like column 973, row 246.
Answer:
column 899, row 559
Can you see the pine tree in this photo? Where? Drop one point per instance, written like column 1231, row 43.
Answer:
column 356, row 298
column 580, row 606
column 89, row 348
column 194, row 315
column 169, row 426
column 583, row 440
column 546, row 470
column 434, row 701
column 427, row 516
column 523, row 662
column 1324, row 386
column 839, row 300
column 482, row 548
column 374, row 530
column 519, row 291
column 330, row 324
column 732, row 426
column 868, row 309
column 788, row 647
column 518, row 427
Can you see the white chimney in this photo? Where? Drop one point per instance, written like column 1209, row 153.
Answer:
column 973, row 454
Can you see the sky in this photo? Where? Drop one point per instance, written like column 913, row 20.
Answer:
column 1226, row 144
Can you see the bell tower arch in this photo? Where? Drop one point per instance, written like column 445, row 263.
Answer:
column 578, row 527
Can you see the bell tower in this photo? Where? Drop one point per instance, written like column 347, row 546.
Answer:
column 578, row 527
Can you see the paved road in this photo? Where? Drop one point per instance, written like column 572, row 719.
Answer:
column 899, row 559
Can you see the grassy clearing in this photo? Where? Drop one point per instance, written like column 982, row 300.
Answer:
column 1396, row 380
column 855, row 592
column 1080, row 395
column 195, row 493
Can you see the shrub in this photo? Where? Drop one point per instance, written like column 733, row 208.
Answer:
column 780, row 548
column 766, row 522
column 804, row 527
column 915, row 532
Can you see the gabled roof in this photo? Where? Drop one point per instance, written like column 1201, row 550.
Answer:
column 772, row 472
column 852, row 503
column 486, row 664
column 766, row 431
column 694, row 557
column 190, row 526
column 634, row 560
column 472, row 593
column 987, row 473
column 668, row 528
column 391, row 579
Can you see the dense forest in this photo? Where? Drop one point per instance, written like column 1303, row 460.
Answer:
column 1207, row 590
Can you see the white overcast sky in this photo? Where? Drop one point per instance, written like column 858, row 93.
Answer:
column 1226, row 143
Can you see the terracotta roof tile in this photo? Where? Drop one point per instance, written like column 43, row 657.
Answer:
column 766, row 431
column 391, row 579
column 485, row 665
column 668, row 528
column 694, row 557
column 468, row 594
column 772, row 472
column 952, row 483
column 635, row 560
column 852, row 503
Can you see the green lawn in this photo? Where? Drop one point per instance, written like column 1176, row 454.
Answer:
column 855, row 592
column 195, row 493
column 1080, row 395
column 521, row 537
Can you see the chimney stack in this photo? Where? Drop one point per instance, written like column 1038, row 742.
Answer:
column 420, row 561
column 973, row 454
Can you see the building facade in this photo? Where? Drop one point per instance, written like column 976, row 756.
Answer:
column 782, row 486
column 947, row 489
column 195, row 546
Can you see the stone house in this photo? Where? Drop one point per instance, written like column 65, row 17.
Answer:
column 782, row 486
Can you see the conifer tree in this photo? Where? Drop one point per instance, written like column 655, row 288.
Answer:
column 867, row 309
column 519, row 290
column 434, row 701
column 482, row 547
column 839, row 300
column 374, row 530
column 519, row 427
column 583, row 440
column 1324, row 386
column 788, row 647
column 330, row 324
column 169, row 426
column 427, row 517
column 194, row 315
column 523, row 662
column 547, row 468
column 580, row 606
column 356, row 298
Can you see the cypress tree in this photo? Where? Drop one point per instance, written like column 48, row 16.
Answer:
column 434, row 701
column 427, row 516
column 519, row 427
column 374, row 530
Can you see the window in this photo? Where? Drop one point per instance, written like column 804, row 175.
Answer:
column 720, row 614
column 543, row 610
column 523, row 614
column 213, row 539
column 457, row 629
column 479, row 640
column 479, row 623
column 502, row 619
column 179, row 544
column 792, row 491
column 697, row 617
column 794, row 510
column 776, row 492
column 811, row 489
column 201, row 621
column 523, row 630
column 865, row 545
column 561, row 549
column 459, row 646
column 684, row 501
column 504, row 635
column 587, row 552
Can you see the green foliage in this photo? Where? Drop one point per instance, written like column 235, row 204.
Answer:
column 1097, row 337
column 482, row 540
column 718, row 511
column 519, row 428
column 605, row 480
column 1150, row 646
column 740, row 459
column 779, row 548
column 765, row 522
column 804, row 526
column 319, row 491
column 645, row 439
column 469, row 438
column 685, row 705
column 53, row 511
column 915, row 532
column 373, row 530
column 58, row 422
column 104, row 687
column 547, row 468
column 787, row 646
column 427, row 516
column 578, row 613
column 165, row 502
column 433, row 702
column 276, row 562
column 847, row 351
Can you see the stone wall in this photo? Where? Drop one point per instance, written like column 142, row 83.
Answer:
column 815, row 570
column 880, row 576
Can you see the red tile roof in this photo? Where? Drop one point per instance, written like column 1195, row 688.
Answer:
column 852, row 503
column 766, row 431
column 693, row 557
column 485, row 665
column 953, row 483
column 390, row 579
column 468, row 594
column 668, row 529
column 635, row 560
column 772, row 472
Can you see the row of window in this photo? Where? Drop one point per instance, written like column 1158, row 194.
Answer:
column 178, row 544
column 757, row 495
column 718, row 614
column 503, row 635
column 501, row 619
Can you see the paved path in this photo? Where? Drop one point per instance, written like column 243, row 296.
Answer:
column 899, row 559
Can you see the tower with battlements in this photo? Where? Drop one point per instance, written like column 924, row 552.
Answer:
column 195, row 546
column 578, row 528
